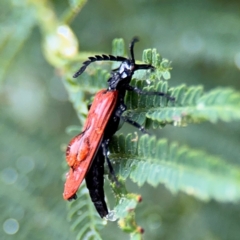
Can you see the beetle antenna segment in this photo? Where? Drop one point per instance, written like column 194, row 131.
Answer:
column 96, row 58
column 131, row 46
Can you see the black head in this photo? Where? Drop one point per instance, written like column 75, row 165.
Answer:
column 122, row 75
column 127, row 67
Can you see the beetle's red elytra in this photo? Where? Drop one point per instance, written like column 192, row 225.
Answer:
column 82, row 148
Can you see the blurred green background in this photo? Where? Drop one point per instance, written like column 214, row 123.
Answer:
column 201, row 38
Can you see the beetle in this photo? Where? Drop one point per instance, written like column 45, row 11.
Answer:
column 87, row 151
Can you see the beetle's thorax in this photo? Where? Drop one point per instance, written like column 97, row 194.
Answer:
column 122, row 76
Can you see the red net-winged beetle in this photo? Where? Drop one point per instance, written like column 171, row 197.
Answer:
column 87, row 151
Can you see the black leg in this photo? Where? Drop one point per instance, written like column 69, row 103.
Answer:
column 140, row 91
column 134, row 124
column 105, row 153
column 121, row 109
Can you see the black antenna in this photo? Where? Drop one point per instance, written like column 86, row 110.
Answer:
column 138, row 66
column 131, row 46
column 98, row 58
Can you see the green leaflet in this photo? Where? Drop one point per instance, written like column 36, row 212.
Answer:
column 191, row 104
column 180, row 168
column 85, row 221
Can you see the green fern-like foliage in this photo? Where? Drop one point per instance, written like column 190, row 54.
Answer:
column 180, row 168
column 194, row 106
column 191, row 103
column 83, row 216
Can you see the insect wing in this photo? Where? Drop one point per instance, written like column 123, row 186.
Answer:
column 82, row 149
column 94, row 181
column 78, row 148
